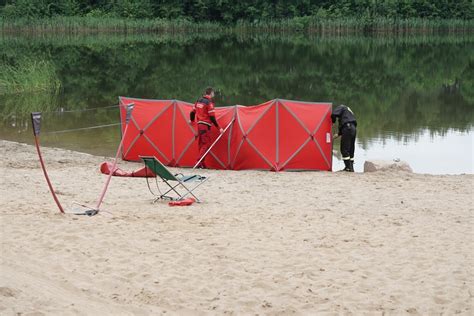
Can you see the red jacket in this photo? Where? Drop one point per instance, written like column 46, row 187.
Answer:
column 203, row 111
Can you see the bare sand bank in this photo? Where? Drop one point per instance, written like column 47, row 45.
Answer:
column 260, row 243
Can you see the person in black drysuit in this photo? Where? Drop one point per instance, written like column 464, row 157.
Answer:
column 348, row 130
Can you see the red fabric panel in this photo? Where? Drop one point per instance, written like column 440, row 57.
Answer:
column 323, row 137
column 219, row 156
column 263, row 135
column 292, row 135
column 308, row 158
column 159, row 133
column 304, row 119
column 135, row 143
column 185, row 143
column 246, row 156
column 308, row 113
column 143, row 138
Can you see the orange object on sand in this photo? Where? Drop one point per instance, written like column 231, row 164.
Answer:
column 106, row 167
column 185, row 202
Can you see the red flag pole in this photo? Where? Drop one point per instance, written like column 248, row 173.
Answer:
column 215, row 142
column 36, row 119
column 106, row 185
column 107, row 182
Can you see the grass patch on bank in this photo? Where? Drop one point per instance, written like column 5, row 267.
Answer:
column 28, row 85
column 28, row 76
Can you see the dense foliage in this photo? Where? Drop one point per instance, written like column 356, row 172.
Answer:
column 229, row 11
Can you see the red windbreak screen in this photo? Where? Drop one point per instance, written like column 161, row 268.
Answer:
column 276, row 135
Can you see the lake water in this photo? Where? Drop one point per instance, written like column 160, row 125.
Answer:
column 413, row 97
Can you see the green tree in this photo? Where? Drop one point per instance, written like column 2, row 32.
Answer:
column 228, row 11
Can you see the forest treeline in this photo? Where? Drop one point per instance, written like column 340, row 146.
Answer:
column 230, row 11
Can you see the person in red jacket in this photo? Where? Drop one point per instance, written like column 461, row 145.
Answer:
column 203, row 112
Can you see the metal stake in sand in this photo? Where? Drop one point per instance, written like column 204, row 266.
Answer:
column 106, row 185
column 215, row 142
column 36, row 122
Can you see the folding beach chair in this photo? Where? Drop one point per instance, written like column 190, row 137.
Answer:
column 181, row 188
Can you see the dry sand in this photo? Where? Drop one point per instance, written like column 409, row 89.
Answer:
column 260, row 243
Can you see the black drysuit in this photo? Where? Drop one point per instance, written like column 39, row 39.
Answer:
column 348, row 131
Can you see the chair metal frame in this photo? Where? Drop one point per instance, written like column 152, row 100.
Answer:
column 166, row 176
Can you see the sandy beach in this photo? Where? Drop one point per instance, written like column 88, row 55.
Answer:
column 264, row 243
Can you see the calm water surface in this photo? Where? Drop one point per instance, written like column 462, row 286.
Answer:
column 413, row 97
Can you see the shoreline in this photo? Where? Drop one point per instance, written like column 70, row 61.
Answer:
column 276, row 243
column 336, row 162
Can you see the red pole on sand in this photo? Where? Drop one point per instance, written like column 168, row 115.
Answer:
column 36, row 121
column 106, row 185
column 215, row 142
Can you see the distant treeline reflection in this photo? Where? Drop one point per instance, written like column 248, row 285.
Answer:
column 398, row 84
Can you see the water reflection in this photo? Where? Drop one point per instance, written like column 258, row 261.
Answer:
column 400, row 89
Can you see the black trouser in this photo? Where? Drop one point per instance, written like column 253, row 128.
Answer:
column 348, row 141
